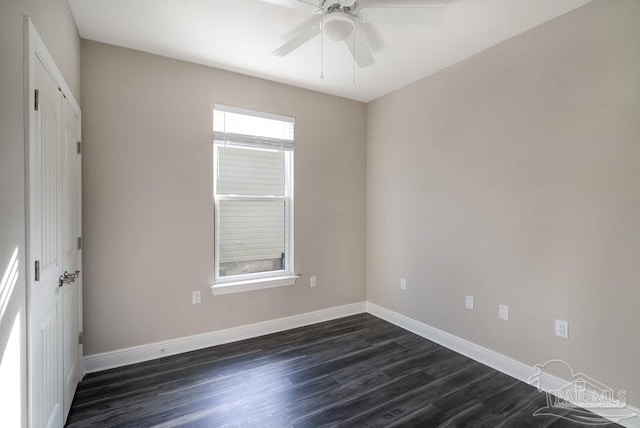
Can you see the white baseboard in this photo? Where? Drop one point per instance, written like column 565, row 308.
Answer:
column 493, row 359
column 151, row 351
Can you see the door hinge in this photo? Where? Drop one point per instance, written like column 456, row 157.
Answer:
column 37, row 273
column 79, row 242
column 79, row 147
column 36, row 105
column 80, row 337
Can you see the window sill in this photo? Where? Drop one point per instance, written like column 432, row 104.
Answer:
column 252, row 284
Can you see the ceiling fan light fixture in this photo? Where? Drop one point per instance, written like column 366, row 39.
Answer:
column 338, row 27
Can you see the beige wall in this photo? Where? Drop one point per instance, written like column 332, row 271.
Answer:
column 54, row 22
column 148, row 207
column 513, row 177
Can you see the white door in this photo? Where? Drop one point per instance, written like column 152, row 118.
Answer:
column 46, row 250
column 54, row 293
column 70, row 247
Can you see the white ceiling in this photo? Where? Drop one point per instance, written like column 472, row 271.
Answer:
column 239, row 35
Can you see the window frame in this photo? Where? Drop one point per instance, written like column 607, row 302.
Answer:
column 258, row 280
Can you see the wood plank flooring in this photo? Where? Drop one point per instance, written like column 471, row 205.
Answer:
column 350, row 372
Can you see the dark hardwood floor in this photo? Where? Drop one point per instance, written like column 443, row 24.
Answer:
column 350, row 372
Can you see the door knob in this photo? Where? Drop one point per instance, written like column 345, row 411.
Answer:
column 68, row 278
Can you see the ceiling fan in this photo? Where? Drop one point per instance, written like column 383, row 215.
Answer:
column 343, row 20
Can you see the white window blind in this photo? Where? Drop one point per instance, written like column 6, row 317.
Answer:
column 247, row 172
column 251, row 230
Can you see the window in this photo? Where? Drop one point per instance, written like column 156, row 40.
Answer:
column 253, row 193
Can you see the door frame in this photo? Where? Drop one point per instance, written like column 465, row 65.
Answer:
column 35, row 50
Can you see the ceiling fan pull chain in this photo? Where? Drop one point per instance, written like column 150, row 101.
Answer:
column 354, row 56
column 321, row 52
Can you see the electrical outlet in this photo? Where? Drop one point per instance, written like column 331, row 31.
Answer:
column 196, row 298
column 468, row 302
column 503, row 312
column 562, row 329
column 312, row 281
column 403, row 284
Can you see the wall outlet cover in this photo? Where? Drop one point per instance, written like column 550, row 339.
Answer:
column 403, row 284
column 312, row 281
column 503, row 312
column 562, row 329
column 468, row 302
column 196, row 298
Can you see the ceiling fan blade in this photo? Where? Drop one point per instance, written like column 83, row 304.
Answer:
column 303, row 5
column 359, row 49
column 303, row 26
column 372, row 36
column 363, row 4
column 402, row 15
column 298, row 40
